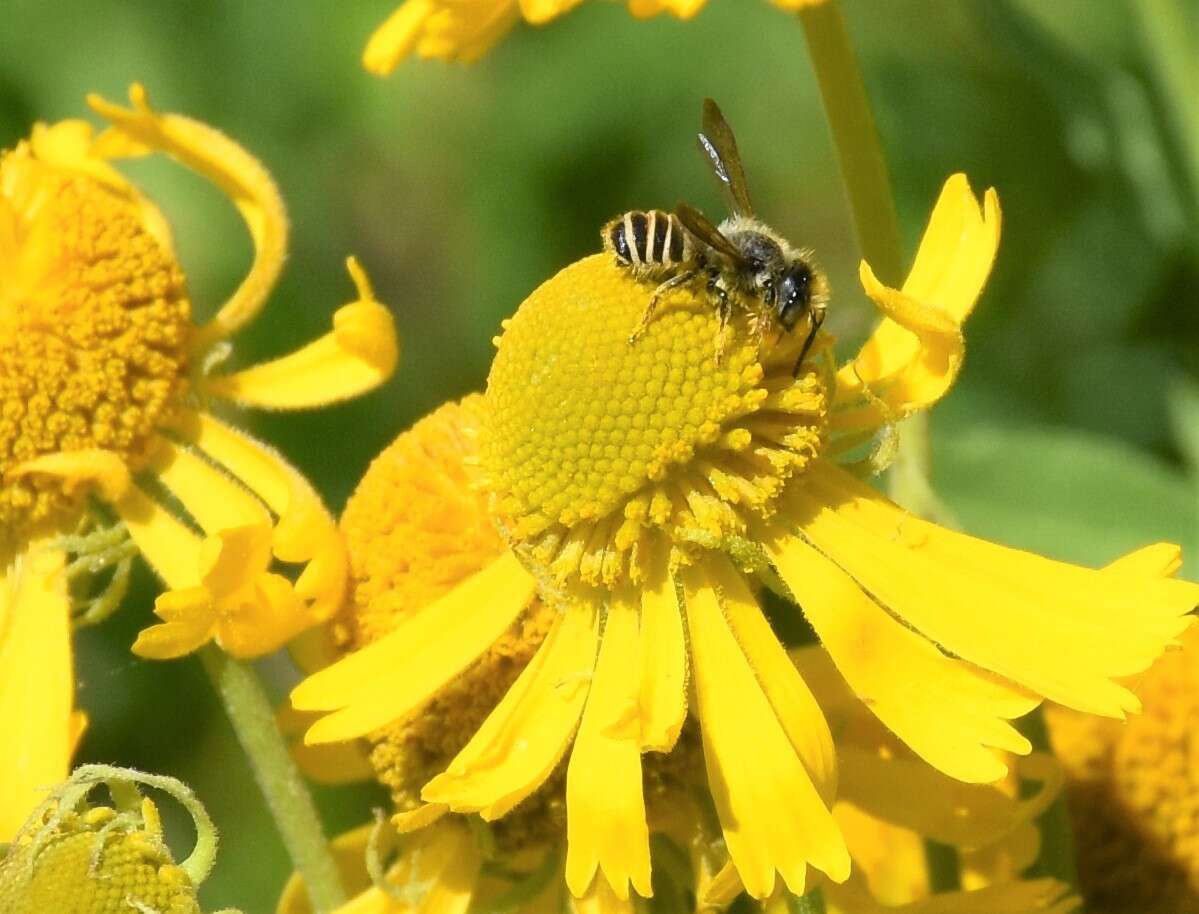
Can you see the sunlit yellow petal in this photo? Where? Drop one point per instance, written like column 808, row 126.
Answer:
column 525, row 736
column 357, row 356
column 213, row 155
column 683, row 9
column 600, row 899
column 663, row 665
column 950, row 713
column 1159, row 560
column 396, row 37
column 37, row 683
column 771, row 813
column 395, row 674
column 914, row 355
column 605, row 808
column 189, row 622
column 980, row 600
column 539, row 12
column 790, row 697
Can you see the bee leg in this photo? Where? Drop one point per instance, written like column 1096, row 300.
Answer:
column 672, row 283
column 725, row 309
column 816, row 318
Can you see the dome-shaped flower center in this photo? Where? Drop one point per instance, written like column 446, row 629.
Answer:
column 94, row 322
column 90, row 863
column 592, row 443
column 415, row 528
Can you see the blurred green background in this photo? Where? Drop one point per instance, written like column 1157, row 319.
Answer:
column 1075, row 426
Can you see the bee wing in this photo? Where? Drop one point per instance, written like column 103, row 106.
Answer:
column 702, row 228
column 719, row 145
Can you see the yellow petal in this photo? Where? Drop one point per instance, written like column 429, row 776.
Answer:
column 103, row 471
column 261, row 619
column 771, row 813
column 1159, row 560
column 663, row 665
column 1034, row 896
column 429, row 646
column 605, row 808
column 950, row 713
column 600, row 899
column 37, row 683
column 790, row 697
column 305, row 534
column 167, row 545
column 439, row 867
column 357, row 356
column 1057, row 629
column 190, row 620
column 242, row 177
column 524, row 737
column 396, row 38
column 214, row 500
column 683, row 9
column 539, row 12
column 334, row 763
column 914, row 355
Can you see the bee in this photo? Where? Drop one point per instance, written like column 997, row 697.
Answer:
column 743, row 261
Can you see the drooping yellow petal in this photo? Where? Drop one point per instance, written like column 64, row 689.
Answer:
column 139, row 129
column 37, row 683
column 1057, row 629
column 103, row 471
column 789, row 695
column 396, row 38
column 524, row 737
column 429, row 646
column 771, row 813
column 167, row 545
column 305, row 533
column 214, row 500
column 333, row 763
column 951, row 714
column 663, row 652
column 605, row 807
column 914, row 355
column 189, row 622
column 357, row 356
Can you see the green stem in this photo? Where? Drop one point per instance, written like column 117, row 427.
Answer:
column 944, row 867
column 286, row 795
column 1056, row 858
column 863, row 167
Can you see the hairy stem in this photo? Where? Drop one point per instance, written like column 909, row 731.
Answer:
column 286, row 795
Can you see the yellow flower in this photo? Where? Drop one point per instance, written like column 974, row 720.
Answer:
column 465, row 30
column 645, row 491
column 1134, row 793
column 72, row 857
column 105, row 386
column 890, row 802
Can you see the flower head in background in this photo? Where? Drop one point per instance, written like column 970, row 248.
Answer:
column 106, row 383
column 76, row 856
column 1134, row 792
column 646, row 491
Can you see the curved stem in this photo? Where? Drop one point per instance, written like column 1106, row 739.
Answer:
column 286, row 795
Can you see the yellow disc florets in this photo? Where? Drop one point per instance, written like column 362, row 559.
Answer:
column 592, row 443
column 1134, row 790
column 94, row 861
column 416, row 527
column 94, row 322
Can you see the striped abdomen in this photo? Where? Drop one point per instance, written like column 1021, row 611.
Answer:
column 650, row 242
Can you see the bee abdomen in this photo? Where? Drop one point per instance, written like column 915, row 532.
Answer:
column 648, row 239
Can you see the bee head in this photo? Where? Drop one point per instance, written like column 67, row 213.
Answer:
column 794, row 294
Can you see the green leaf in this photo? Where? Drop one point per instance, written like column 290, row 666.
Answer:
column 1067, row 494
